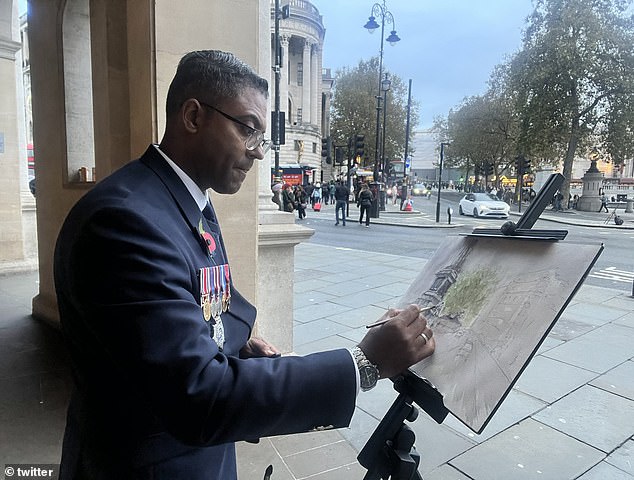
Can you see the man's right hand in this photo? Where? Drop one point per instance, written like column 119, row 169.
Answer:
column 398, row 344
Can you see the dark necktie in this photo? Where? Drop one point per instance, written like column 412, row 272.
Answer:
column 208, row 214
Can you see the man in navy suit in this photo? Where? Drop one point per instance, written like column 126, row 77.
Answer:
column 167, row 374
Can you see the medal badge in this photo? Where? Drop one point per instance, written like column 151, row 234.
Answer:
column 206, row 309
column 205, row 292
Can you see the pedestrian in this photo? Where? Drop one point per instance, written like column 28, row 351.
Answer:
column 167, row 373
column 276, row 189
column 331, row 191
column 508, row 196
column 288, row 198
column 315, row 197
column 341, row 195
column 364, row 203
column 404, row 194
column 604, row 203
column 558, row 198
column 301, row 201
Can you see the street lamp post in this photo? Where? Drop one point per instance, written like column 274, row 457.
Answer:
column 442, row 156
column 409, row 106
column 386, row 16
column 385, row 87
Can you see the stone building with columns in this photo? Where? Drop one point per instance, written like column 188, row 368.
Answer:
column 99, row 75
column 305, row 88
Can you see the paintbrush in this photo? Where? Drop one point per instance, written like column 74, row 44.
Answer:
column 385, row 320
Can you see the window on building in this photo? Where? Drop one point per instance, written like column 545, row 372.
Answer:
column 299, row 115
column 298, row 145
column 314, row 147
column 300, row 74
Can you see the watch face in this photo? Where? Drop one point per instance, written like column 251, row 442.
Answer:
column 369, row 377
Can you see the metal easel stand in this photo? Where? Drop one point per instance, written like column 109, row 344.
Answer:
column 390, row 451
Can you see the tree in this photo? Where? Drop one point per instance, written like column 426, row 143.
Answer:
column 483, row 130
column 354, row 109
column 574, row 80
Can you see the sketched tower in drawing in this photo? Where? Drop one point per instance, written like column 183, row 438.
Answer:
column 444, row 279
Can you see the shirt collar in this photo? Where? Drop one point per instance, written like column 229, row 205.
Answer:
column 197, row 194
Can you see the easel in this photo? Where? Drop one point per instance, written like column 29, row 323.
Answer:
column 390, row 451
column 523, row 228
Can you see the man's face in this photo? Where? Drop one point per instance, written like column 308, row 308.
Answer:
column 224, row 159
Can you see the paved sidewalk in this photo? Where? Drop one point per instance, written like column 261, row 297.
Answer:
column 570, row 416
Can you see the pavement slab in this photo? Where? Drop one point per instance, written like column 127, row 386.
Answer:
column 615, row 345
column 528, row 451
column 592, row 416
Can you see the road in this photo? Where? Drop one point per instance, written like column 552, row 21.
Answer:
column 614, row 268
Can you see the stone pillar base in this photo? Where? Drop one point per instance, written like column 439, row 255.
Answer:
column 277, row 236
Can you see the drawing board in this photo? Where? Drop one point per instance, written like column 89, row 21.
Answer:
column 495, row 302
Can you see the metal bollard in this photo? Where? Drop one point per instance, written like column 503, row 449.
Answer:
column 449, row 213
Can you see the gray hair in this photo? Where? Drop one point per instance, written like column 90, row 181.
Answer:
column 213, row 75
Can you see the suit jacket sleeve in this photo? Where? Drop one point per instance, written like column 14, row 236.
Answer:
column 130, row 307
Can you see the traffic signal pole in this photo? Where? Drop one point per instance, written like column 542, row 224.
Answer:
column 276, row 114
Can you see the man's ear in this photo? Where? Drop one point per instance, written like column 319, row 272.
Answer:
column 191, row 115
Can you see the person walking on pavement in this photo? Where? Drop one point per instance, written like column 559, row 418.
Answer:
column 315, row 197
column 341, row 198
column 364, row 203
column 331, row 192
column 301, row 201
column 604, row 204
column 403, row 194
column 288, row 198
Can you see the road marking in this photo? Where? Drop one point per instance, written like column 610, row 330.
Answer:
column 612, row 273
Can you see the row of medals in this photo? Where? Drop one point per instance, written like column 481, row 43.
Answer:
column 215, row 295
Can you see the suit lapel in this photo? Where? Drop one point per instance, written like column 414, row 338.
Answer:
column 186, row 204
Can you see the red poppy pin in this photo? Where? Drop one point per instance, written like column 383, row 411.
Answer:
column 207, row 238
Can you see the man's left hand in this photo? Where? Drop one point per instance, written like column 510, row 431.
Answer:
column 257, row 347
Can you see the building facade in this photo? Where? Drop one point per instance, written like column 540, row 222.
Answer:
column 305, row 89
column 98, row 74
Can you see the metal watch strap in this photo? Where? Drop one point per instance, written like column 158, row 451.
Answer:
column 368, row 372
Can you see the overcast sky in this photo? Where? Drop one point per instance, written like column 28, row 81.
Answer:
column 448, row 47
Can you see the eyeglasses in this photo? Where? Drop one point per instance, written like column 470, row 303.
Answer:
column 255, row 138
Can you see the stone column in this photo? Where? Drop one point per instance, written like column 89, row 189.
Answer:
column 306, row 83
column 11, row 238
column 592, row 182
column 315, row 83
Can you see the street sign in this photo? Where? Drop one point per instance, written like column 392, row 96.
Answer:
column 408, row 162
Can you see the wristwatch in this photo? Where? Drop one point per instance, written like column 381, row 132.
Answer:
column 368, row 372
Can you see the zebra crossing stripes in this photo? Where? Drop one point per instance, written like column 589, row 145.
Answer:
column 612, row 273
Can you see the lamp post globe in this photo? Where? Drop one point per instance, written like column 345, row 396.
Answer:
column 380, row 11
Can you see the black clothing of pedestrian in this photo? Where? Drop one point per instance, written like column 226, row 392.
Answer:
column 403, row 195
column 365, row 202
column 341, row 198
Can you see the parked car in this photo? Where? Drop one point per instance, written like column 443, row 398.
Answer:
column 420, row 189
column 483, row 205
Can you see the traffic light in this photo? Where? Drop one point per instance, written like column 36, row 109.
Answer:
column 325, row 149
column 526, row 165
column 488, row 169
column 359, row 145
column 519, row 163
column 339, row 155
